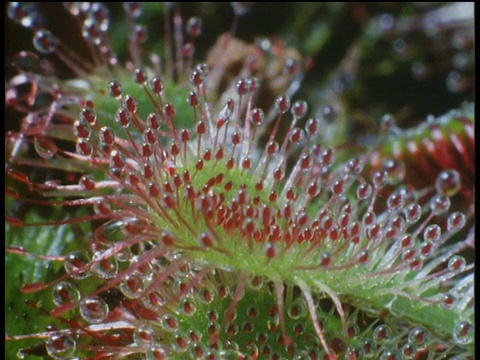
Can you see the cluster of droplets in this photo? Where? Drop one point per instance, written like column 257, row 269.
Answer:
column 447, row 26
column 445, row 142
column 207, row 197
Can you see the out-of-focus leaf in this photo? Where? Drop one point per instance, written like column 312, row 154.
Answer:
column 20, row 270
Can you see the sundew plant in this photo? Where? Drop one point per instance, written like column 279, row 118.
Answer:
column 169, row 197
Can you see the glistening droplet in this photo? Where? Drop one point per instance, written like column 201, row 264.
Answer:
column 65, row 292
column 45, row 147
column 456, row 221
column 420, row 337
column 408, row 350
column 381, row 334
column 44, row 41
column 456, row 264
column 143, row 335
column 75, row 265
column 60, row 346
column 157, row 353
column 391, row 354
column 463, row 333
column 94, row 309
column 22, row 13
column 132, row 286
column 448, row 183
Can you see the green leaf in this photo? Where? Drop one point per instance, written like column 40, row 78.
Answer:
column 21, row 319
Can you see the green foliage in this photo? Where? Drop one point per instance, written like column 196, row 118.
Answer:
column 21, row 319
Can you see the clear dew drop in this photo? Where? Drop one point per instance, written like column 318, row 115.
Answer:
column 312, row 126
column 448, row 183
column 187, row 306
column 60, row 346
column 456, row 264
column 82, row 129
column 231, row 329
column 380, row 179
column 197, row 350
column 154, row 300
column 448, row 301
column 44, row 41
column 93, row 309
column 145, row 269
column 296, row 310
column 439, row 204
column 143, row 335
column 369, row 348
column 432, row 233
column 415, row 263
column 354, row 167
column 88, row 115
column 117, row 160
column 75, row 264
column 84, row 147
column 206, row 295
column 107, row 136
column 180, row 342
column 419, row 337
column 297, row 136
column 157, row 85
column 381, row 334
column 65, row 292
column 395, row 170
column 413, row 213
column 463, row 333
column 391, row 354
column 115, row 89
column 354, row 352
column 101, row 207
column 157, row 353
column 130, row 103
column 364, row 191
column 106, row 268
column 258, row 116
column 132, row 286
column 87, row 182
column 456, row 221
column 299, row 109
column 169, row 323
column 395, row 201
column 256, row 283
column 22, row 13
column 45, row 147
column 327, row 157
column 282, row 104
column 408, row 350
column 123, row 117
